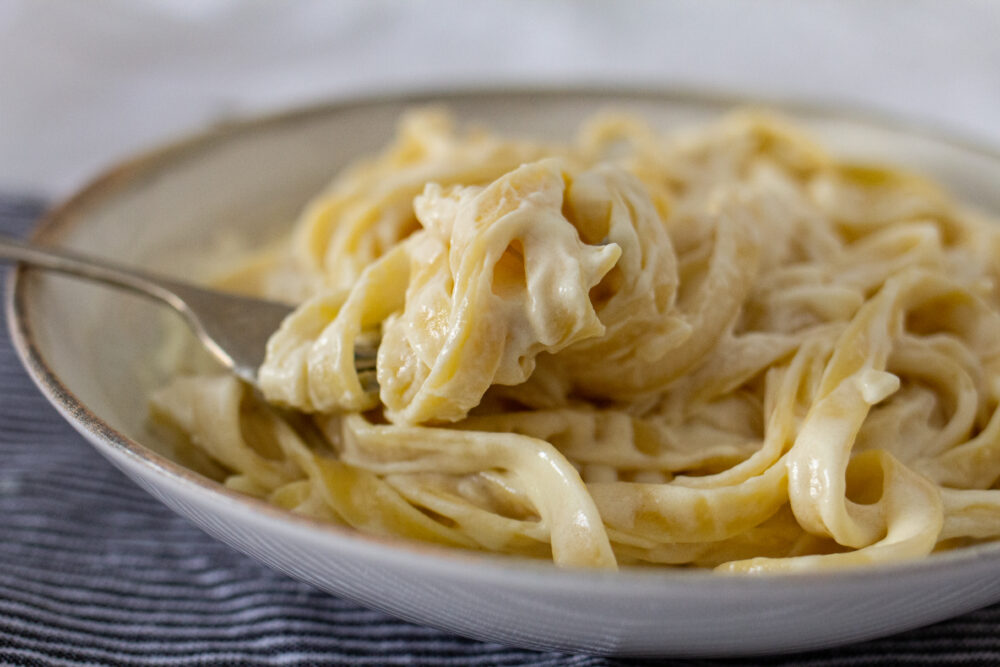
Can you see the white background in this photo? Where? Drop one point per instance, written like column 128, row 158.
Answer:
column 85, row 82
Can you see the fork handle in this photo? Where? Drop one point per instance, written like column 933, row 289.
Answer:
column 98, row 270
column 234, row 329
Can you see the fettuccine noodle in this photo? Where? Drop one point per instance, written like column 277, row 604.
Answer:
column 717, row 347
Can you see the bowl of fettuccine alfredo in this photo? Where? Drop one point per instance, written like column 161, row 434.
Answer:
column 657, row 374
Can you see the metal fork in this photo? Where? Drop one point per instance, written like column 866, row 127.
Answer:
column 233, row 328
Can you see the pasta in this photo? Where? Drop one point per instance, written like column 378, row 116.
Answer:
column 714, row 347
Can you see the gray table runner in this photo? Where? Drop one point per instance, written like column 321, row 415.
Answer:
column 95, row 571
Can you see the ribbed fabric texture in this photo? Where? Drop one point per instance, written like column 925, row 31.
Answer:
column 93, row 571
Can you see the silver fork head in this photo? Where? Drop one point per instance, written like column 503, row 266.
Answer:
column 234, row 328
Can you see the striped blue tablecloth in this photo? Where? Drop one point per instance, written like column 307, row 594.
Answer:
column 94, row 571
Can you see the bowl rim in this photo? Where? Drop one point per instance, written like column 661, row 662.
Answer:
column 132, row 171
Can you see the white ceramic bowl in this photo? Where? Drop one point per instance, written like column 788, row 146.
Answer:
column 92, row 350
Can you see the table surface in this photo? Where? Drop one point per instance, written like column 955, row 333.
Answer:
column 93, row 570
